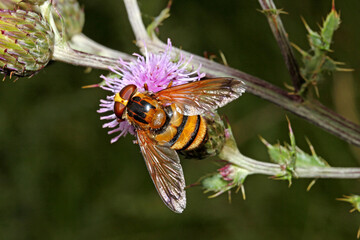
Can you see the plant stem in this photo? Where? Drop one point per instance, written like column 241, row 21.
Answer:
column 231, row 154
column 82, row 43
column 273, row 16
column 66, row 54
column 312, row 111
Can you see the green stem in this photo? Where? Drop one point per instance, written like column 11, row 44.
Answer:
column 66, row 54
column 82, row 43
column 231, row 154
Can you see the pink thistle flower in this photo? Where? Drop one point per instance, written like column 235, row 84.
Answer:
column 154, row 70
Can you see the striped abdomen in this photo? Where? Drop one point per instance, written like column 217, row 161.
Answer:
column 168, row 126
column 181, row 132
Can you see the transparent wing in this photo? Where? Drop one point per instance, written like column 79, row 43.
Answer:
column 196, row 98
column 163, row 164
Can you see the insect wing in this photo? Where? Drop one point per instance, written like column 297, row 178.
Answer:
column 198, row 97
column 163, row 164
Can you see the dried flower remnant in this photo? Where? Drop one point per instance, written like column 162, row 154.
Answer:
column 227, row 178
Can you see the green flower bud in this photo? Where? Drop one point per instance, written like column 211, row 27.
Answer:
column 72, row 15
column 70, row 11
column 26, row 42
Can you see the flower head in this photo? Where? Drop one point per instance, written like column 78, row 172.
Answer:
column 26, row 42
column 156, row 70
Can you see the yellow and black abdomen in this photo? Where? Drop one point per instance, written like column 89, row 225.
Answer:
column 194, row 136
column 181, row 132
column 213, row 141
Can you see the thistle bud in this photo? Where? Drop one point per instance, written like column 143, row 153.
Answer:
column 72, row 15
column 26, row 42
column 70, row 11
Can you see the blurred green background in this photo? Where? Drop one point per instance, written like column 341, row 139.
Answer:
column 60, row 178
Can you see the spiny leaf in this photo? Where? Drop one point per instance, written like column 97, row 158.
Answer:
column 316, row 62
column 330, row 25
column 290, row 156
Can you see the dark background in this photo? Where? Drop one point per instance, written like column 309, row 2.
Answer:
column 60, row 178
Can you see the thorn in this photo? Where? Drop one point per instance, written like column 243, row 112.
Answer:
column 169, row 4
column 226, row 120
column 291, row 88
column 217, row 194
column 311, row 185
column 311, row 147
column 290, row 183
column 88, row 70
column 223, row 58
column 209, row 56
column 212, row 57
column 306, row 25
column 344, row 198
column 289, row 124
column 229, row 196
column 345, row 69
column 91, row 86
column 243, row 191
column 317, row 91
column 193, row 185
column 266, row 143
column 206, row 55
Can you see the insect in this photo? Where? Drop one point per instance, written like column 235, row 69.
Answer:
column 172, row 120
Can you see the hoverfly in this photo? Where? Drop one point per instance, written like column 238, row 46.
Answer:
column 169, row 121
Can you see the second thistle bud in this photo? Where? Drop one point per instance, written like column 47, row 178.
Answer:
column 72, row 15
column 68, row 14
column 26, row 42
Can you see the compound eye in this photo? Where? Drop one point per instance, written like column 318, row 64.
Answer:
column 128, row 91
column 122, row 98
column 119, row 109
